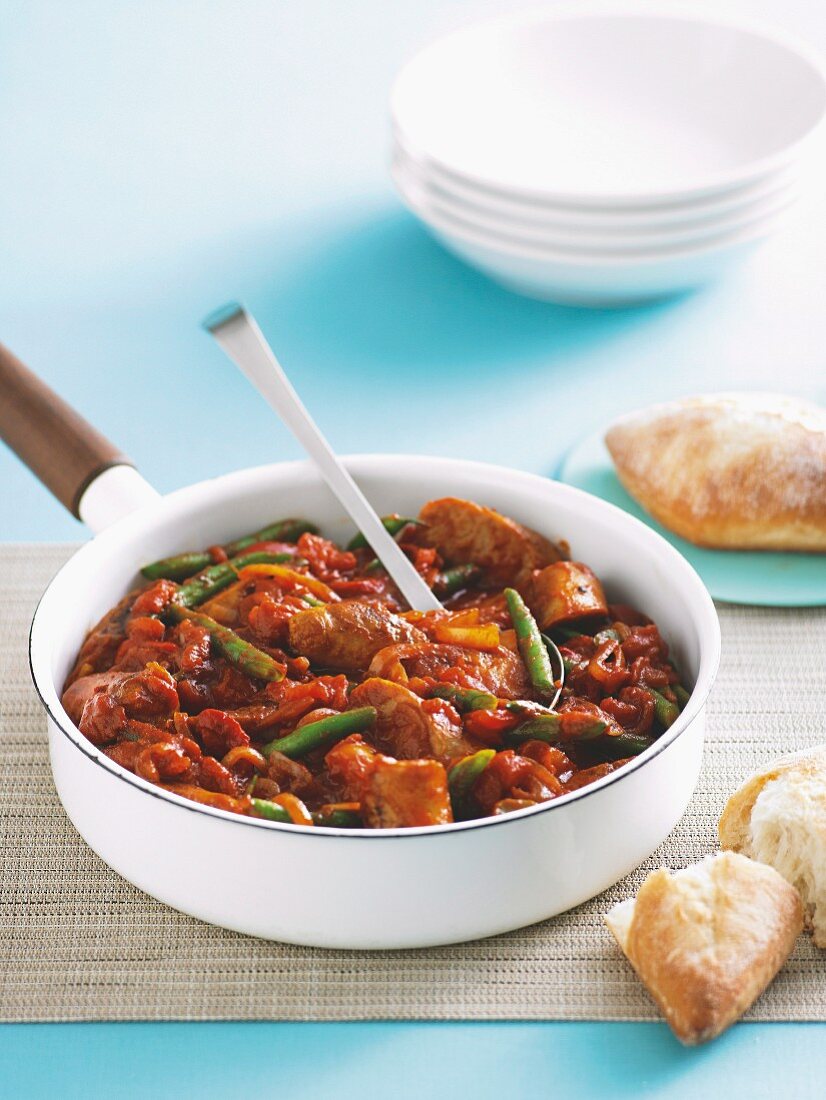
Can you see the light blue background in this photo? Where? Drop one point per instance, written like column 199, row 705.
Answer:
column 159, row 158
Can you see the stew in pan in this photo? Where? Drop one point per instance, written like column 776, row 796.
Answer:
column 281, row 677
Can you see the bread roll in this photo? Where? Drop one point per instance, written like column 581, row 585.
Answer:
column 731, row 470
column 779, row 817
column 707, row 940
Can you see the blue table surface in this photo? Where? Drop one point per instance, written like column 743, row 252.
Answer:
column 161, row 158
column 412, row 1061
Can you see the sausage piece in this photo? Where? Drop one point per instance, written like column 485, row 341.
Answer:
column 101, row 704
column 346, row 635
column 401, row 793
column 350, row 763
column 466, row 532
column 102, row 642
column 78, row 693
column 499, row 670
column 565, row 591
column 404, row 728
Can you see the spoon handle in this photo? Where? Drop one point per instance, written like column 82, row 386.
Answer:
column 237, row 332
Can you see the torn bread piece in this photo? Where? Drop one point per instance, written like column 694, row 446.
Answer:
column 707, row 940
column 734, row 471
column 778, row 816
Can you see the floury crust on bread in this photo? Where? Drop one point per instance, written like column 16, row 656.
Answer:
column 707, row 940
column 778, row 816
column 731, row 470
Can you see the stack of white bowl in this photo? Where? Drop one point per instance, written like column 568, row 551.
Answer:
column 604, row 157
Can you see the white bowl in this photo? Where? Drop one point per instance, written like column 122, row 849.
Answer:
column 592, row 216
column 596, row 279
column 617, row 240
column 609, row 107
column 381, row 888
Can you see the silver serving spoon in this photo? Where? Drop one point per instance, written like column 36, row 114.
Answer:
column 239, row 335
column 237, row 332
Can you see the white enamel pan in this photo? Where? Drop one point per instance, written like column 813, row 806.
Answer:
column 379, row 888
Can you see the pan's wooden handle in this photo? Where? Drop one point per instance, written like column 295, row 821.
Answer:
column 57, row 444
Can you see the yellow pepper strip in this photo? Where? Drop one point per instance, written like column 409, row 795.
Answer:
column 299, row 814
column 224, row 606
column 471, row 637
column 292, row 577
column 470, row 617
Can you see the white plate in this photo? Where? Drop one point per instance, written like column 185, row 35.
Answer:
column 504, row 242
column 577, row 238
column 592, row 215
column 594, row 280
column 621, row 107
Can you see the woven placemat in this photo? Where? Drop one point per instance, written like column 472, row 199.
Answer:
column 79, row 943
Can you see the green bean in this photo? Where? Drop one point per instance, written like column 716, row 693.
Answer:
column 679, row 691
column 621, row 746
column 530, row 643
column 271, row 811
column 463, row 775
column 666, row 712
column 392, row 525
column 455, row 579
column 181, row 566
column 244, row 656
column 682, row 695
column 326, row 731
column 526, row 708
column 338, row 819
column 284, row 530
column 566, row 633
column 571, row 725
column 465, row 699
column 177, row 568
column 218, row 577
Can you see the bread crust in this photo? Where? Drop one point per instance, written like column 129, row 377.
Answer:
column 795, row 771
column 707, row 941
column 729, row 471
